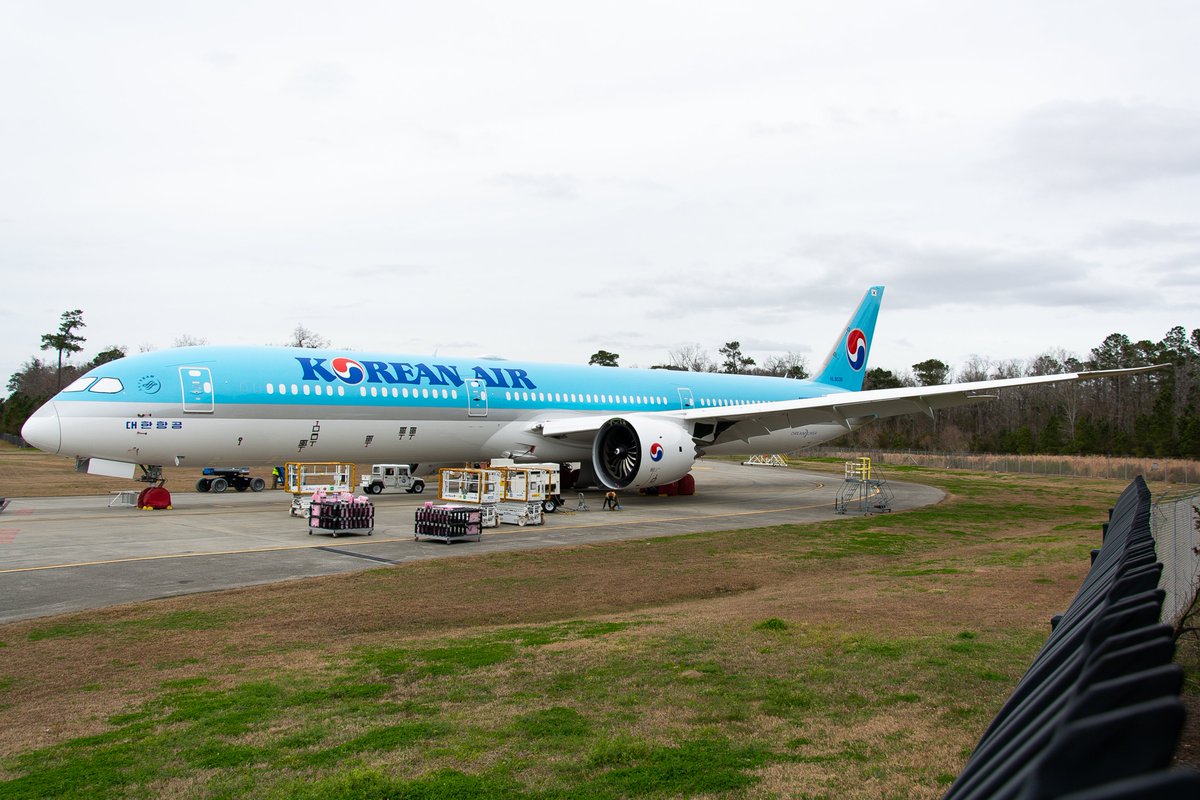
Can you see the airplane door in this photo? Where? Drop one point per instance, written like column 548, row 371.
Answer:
column 685, row 398
column 198, row 397
column 476, row 398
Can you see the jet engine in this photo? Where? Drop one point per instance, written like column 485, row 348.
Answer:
column 638, row 451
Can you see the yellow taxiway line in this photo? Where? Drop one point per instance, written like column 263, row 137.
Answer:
column 187, row 555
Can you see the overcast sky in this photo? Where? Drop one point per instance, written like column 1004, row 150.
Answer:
column 540, row 180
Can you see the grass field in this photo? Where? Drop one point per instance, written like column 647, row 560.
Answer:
column 856, row 658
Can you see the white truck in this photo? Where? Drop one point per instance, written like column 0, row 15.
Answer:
column 392, row 476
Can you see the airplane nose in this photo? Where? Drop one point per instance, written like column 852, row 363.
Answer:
column 42, row 430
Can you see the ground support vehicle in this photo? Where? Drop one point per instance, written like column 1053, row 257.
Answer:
column 512, row 495
column 340, row 513
column 448, row 523
column 219, row 479
column 474, row 488
column 304, row 478
column 549, row 484
column 520, row 513
column 392, row 476
column 467, row 485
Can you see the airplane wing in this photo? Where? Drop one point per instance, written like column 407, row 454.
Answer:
column 739, row 422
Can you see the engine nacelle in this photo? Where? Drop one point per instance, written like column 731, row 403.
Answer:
column 638, row 451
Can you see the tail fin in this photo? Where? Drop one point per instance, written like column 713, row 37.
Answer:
column 846, row 365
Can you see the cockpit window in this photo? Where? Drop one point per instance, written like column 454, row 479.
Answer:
column 107, row 386
column 79, row 384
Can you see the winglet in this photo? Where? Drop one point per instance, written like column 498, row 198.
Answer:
column 846, row 365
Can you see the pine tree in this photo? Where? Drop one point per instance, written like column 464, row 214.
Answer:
column 66, row 340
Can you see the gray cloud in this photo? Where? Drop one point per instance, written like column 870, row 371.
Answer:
column 380, row 271
column 1180, row 271
column 813, row 277
column 545, row 187
column 221, row 58
column 1139, row 233
column 780, row 129
column 440, row 140
column 320, row 80
column 1106, row 145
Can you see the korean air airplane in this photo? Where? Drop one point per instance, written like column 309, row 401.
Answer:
column 629, row 428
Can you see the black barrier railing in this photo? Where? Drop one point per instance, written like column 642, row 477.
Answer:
column 1097, row 716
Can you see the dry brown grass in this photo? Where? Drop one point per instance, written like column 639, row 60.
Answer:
column 25, row 472
column 31, row 473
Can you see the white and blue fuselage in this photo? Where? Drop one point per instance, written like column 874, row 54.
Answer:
column 204, row 406
column 632, row 428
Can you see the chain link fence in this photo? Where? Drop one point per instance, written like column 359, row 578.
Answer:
column 1169, row 470
column 1175, row 525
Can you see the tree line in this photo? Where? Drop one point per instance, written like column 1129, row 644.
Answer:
column 731, row 359
column 1150, row 414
